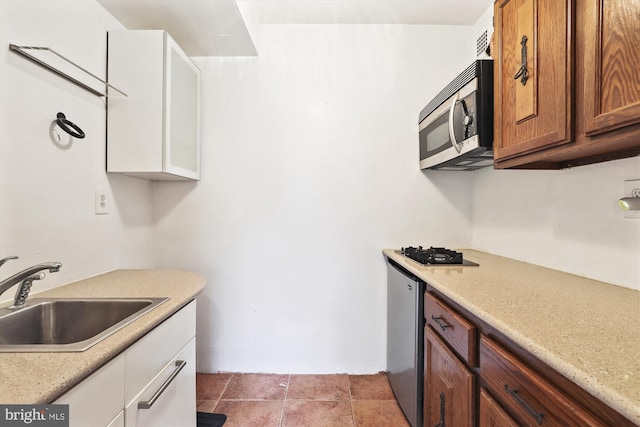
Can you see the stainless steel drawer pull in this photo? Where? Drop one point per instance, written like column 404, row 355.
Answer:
column 440, row 322
column 146, row 404
column 516, row 396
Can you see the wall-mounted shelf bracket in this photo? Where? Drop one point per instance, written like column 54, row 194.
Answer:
column 56, row 63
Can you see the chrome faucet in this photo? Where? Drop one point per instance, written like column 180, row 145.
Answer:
column 9, row 258
column 23, row 290
column 25, row 278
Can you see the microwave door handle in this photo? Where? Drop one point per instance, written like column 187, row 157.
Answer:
column 452, row 135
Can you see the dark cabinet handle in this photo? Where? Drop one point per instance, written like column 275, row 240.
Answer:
column 523, row 72
column 441, row 423
column 440, row 323
column 516, row 396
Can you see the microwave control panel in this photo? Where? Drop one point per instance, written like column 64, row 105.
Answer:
column 464, row 118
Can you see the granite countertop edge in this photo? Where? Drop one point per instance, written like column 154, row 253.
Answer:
column 589, row 382
column 41, row 378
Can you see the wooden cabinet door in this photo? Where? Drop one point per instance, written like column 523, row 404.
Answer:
column 533, row 76
column 611, row 65
column 448, row 386
column 492, row 414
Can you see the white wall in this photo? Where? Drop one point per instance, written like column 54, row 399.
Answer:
column 310, row 169
column 567, row 219
column 47, row 191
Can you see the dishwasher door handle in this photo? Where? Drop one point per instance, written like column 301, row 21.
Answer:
column 146, row 404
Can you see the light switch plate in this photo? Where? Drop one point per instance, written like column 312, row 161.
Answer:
column 102, row 202
column 631, row 188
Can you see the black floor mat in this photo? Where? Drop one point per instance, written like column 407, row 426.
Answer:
column 206, row 419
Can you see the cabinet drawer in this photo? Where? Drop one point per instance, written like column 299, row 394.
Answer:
column 175, row 405
column 491, row 413
column 155, row 350
column 454, row 329
column 531, row 399
column 98, row 398
column 118, row 421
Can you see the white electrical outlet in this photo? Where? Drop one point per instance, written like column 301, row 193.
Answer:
column 103, row 203
column 632, row 189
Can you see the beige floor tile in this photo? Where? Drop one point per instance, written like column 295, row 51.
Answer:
column 319, row 387
column 205, row 405
column 251, row 413
column 211, row 386
column 256, row 387
column 370, row 387
column 316, row 413
column 378, row 413
column 266, row 400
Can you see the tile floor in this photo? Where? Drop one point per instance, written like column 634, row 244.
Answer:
column 265, row 400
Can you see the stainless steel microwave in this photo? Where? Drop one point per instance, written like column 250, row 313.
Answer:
column 456, row 127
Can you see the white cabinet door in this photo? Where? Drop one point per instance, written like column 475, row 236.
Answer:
column 153, row 352
column 117, row 421
column 153, row 132
column 97, row 400
column 175, row 390
column 182, row 148
column 144, row 369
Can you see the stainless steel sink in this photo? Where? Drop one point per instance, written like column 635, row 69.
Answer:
column 68, row 324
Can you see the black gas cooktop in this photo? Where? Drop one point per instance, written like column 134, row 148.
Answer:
column 435, row 256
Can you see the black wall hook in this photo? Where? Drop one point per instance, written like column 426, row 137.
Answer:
column 69, row 127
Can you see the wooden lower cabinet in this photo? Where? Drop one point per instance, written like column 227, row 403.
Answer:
column 452, row 328
column 448, row 386
column 474, row 376
column 531, row 399
column 491, row 413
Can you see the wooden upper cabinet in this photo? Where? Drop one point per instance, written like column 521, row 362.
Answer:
column 611, row 65
column 581, row 101
column 533, row 75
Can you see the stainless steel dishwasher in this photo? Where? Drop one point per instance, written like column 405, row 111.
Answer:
column 405, row 340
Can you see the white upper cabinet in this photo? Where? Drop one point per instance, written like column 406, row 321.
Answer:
column 153, row 133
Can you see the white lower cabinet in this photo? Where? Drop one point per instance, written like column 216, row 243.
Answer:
column 97, row 400
column 118, row 421
column 176, row 406
column 159, row 369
